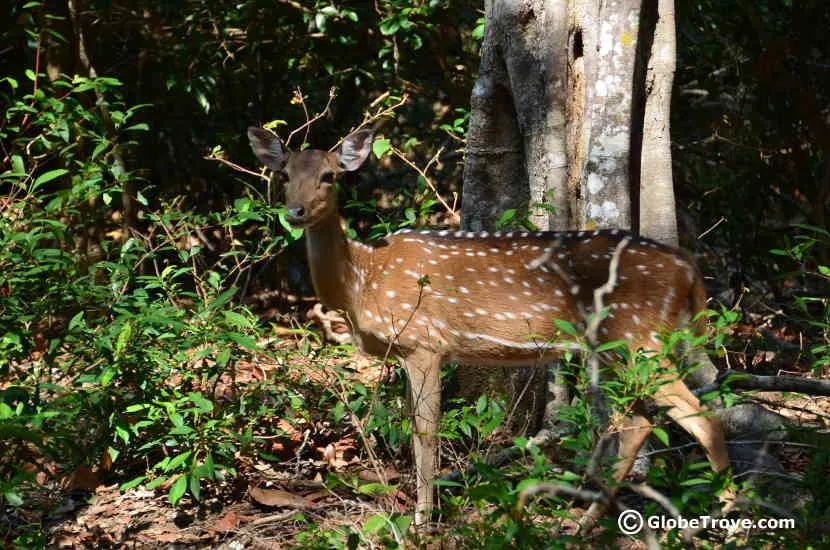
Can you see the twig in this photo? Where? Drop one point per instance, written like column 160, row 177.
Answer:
column 717, row 223
column 310, row 121
column 237, row 167
column 423, row 173
column 369, row 118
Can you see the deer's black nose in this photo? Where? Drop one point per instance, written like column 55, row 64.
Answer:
column 296, row 210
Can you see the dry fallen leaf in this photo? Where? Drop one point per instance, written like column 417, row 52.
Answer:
column 228, row 522
column 279, row 498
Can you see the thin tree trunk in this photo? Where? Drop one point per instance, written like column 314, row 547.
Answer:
column 657, row 206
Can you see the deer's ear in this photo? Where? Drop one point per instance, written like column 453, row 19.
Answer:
column 268, row 148
column 354, row 149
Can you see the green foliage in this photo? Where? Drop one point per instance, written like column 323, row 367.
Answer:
column 120, row 343
column 113, row 345
column 805, row 252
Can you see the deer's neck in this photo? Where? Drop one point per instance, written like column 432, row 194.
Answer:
column 335, row 265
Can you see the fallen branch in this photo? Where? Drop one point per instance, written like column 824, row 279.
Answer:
column 745, row 381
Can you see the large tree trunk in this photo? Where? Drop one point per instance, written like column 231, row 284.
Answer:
column 553, row 122
column 516, row 146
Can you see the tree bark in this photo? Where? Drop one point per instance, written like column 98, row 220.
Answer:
column 609, row 34
column 516, row 144
column 657, row 209
column 551, row 122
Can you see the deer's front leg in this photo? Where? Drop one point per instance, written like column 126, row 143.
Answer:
column 424, row 371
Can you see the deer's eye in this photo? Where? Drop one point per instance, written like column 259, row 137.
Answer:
column 283, row 175
column 327, row 177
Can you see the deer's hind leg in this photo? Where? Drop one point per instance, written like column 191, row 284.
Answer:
column 685, row 409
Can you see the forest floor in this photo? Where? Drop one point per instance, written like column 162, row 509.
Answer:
column 270, row 504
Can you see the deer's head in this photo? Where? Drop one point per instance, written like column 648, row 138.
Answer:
column 309, row 175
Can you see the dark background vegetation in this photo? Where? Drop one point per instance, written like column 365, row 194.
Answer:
column 129, row 258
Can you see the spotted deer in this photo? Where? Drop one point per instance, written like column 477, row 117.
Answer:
column 434, row 297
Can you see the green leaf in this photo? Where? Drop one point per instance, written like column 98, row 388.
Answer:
column 694, row 481
column 389, row 27
column 565, row 327
column 244, row 341
column 375, row 524
column 611, row 345
column 195, row 487
column 77, row 321
column 124, row 336
column 177, row 490
column 223, row 357
column 481, row 404
column 132, row 483
column 17, row 165
column 662, row 435
column 376, row 489
column 237, row 320
column 122, row 434
column 107, row 376
column 177, row 461
column 222, row 299
column 381, row 147
column 204, row 405
column 155, row 483
column 13, row 497
column 47, row 177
